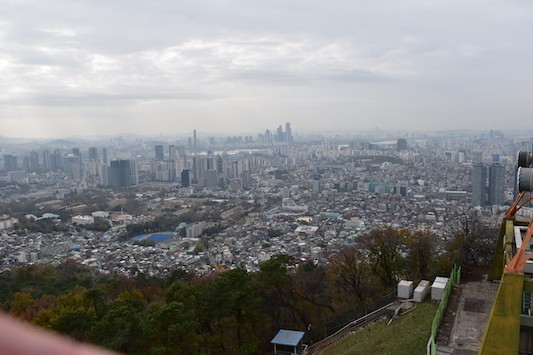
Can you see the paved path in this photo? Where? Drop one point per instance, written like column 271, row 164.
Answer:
column 474, row 305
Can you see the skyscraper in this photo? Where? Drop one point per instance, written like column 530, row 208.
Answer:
column 194, row 141
column 479, row 185
column 279, row 134
column 76, row 151
column 186, row 178
column 10, row 162
column 172, row 151
column 104, row 155
column 34, row 161
column 46, row 160
column 56, row 160
column 93, row 153
column 288, row 132
column 122, row 173
column 72, row 166
column 159, row 155
column 496, row 183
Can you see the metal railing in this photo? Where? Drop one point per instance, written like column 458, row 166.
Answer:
column 356, row 323
column 455, row 278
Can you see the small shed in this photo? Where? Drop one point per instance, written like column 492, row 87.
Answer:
column 288, row 342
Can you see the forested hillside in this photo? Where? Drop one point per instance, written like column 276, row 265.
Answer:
column 232, row 311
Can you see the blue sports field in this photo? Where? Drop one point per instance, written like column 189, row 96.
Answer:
column 155, row 237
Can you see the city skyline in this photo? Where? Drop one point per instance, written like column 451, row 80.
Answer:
column 130, row 67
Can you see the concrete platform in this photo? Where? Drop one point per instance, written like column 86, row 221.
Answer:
column 475, row 303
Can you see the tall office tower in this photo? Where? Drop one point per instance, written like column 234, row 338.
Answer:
column 288, row 132
column 76, row 152
column 159, row 155
column 279, row 134
column 47, row 164
column 72, row 166
column 10, row 162
column 496, row 182
column 104, row 156
column 26, row 164
column 186, row 178
column 122, row 173
column 103, row 172
column 172, row 152
column 93, row 153
column 56, row 161
column 34, row 161
column 479, row 185
column 194, row 141
column 268, row 136
column 134, row 174
column 199, row 165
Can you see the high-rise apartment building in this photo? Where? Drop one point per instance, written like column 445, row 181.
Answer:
column 159, row 155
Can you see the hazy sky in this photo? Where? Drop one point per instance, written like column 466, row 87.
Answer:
column 149, row 67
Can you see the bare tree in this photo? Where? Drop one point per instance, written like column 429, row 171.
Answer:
column 471, row 241
column 352, row 274
column 421, row 254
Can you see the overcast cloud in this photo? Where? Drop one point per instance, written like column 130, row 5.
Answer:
column 107, row 67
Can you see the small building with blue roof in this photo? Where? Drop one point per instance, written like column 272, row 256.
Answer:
column 289, row 342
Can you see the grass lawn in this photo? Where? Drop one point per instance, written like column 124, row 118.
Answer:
column 408, row 334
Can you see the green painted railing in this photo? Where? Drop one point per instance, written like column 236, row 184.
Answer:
column 455, row 278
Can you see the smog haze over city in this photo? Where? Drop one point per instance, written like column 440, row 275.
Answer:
column 257, row 177
column 84, row 68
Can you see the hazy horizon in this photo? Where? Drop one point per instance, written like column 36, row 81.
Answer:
column 85, row 68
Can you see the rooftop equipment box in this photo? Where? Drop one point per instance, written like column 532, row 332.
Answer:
column 421, row 291
column 405, row 289
column 437, row 289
